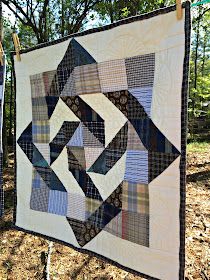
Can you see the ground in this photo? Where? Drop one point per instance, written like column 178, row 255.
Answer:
column 23, row 256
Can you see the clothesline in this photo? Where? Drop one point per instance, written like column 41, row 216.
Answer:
column 200, row 3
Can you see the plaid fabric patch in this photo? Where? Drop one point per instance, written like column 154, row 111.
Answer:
column 73, row 162
column 91, row 206
column 39, row 109
column 73, row 211
column 87, row 79
column 69, row 88
column 79, row 154
column 91, row 155
column 39, row 199
column 158, row 162
column 130, row 226
column 90, row 189
column 135, row 227
column 28, row 149
column 140, row 70
column 135, row 197
column 41, row 131
column 134, row 142
column 37, row 181
column 94, row 134
column 112, row 75
column 48, row 78
column 37, row 86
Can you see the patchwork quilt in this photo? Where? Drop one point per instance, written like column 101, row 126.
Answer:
column 2, row 82
column 100, row 141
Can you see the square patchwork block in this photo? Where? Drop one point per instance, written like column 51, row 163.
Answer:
column 41, row 131
column 87, row 79
column 58, row 202
column 140, row 70
column 135, row 197
column 39, row 109
column 112, row 75
column 136, row 170
column 76, row 206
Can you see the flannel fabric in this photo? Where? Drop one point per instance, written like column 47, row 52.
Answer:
column 2, row 83
column 100, row 149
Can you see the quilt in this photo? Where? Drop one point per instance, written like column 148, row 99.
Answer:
column 100, row 141
column 2, row 83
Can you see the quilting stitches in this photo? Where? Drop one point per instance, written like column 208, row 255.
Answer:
column 128, row 84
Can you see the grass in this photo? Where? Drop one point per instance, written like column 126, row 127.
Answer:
column 202, row 147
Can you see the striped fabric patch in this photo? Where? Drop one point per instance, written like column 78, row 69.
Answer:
column 58, row 203
column 136, row 167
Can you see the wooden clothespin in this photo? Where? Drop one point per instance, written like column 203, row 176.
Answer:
column 16, row 42
column 1, row 54
column 179, row 9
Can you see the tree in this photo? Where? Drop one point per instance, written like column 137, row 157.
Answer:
column 47, row 19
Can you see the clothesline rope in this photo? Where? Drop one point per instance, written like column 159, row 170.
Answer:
column 200, row 3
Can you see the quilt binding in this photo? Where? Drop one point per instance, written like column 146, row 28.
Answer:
column 184, row 121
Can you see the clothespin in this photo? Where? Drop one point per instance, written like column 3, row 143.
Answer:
column 16, row 42
column 1, row 54
column 179, row 9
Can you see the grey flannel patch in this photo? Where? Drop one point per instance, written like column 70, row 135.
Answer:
column 140, row 70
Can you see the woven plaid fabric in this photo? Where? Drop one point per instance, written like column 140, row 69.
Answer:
column 79, row 154
column 86, row 79
column 135, row 198
column 37, row 181
column 69, row 88
column 39, row 199
column 134, row 142
column 93, row 134
column 140, row 70
column 91, row 155
column 135, row 227
column 131, row 226
column 73, row 210
column 158, row 162
column 91, row 206
column 37, row 86
column 112, row 75
column 39, row 109
column 41, row 131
